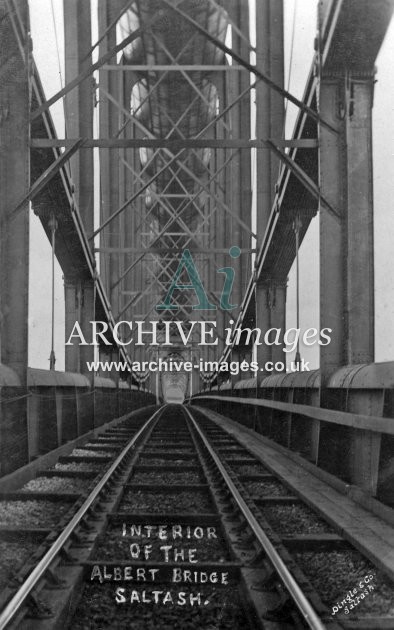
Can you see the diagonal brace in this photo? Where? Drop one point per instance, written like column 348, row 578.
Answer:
column 47, row 175
column 305, row 180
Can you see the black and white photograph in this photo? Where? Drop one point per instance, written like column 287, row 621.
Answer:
column 196, row 314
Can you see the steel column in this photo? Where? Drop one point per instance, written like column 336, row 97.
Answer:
column 346, row 244
column 15, row 98
column 79, row 101
column 79, row 297
column 241, row 164
column 14, row 185
column 332, row 175
column 360, row 251
column 109, row 160
column 270, row 295
column 277, row 73
column 245, row 201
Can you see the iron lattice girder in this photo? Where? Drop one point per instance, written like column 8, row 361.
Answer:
column 162, row 251
column 175, row 213
column 180, row 165
column 136, row 34
column 174, row 145
column 177, row 41
column 157, row 239
column 175, row 68
column 188, row 79
column 163, row 231
column 172, row 6
column 164, row 265
column 182, row 137
column 133, row 197
column 271, row 84
column 150, row 161
column 110, row 26
column 152, row 89
column 98, row 64
column 162, row 99
column 175, row 159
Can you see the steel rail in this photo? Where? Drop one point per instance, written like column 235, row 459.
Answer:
column 15, row 603
column 302, row 603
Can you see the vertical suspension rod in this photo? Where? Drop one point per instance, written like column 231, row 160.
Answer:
column 52, row 357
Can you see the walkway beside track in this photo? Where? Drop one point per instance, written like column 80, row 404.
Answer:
column 366, row 531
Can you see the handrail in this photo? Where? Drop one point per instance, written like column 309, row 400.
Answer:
column 344, row 418
column 20, row 596
column 302, row 603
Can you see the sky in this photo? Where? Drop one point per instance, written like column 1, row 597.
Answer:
column 47, row 35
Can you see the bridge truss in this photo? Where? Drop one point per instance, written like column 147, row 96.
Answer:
column 171, row 83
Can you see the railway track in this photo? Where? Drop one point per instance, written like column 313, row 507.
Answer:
column 183, row 528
